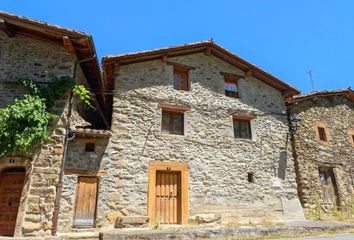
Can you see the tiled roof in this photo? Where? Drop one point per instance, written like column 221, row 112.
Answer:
column 210, row 48
column 90, row 132
column 347, row 92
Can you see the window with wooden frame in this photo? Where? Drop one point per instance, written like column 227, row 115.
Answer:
column 242, row 125
column 86, row 201
column 242, row 128
column 322, row 134
column 230, row 87
column 172, row 122
column 181, row 78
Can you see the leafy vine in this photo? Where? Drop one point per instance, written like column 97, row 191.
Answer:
column 24, row 123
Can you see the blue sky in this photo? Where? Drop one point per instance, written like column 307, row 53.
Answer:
column 285, row 38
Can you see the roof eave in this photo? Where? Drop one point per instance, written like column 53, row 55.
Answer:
column 211, row 48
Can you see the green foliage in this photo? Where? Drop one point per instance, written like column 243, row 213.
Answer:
column 24, row 123
column 57, row 87
column 84, row 95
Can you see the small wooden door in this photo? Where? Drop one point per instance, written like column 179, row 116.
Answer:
column 329, row 187
column 168, row 197
column 11, row 184
column 86, row 201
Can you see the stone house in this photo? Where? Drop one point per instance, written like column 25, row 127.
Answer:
column 323, row 146
column 28, row 184
column 198, row 135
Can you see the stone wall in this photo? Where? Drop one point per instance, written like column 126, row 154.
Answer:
column 337, row 114
column 23, row 57
column 218, row 163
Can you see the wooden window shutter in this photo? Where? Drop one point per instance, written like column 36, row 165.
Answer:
column 86, row 199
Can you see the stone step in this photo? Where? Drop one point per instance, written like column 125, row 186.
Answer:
column 80, row 235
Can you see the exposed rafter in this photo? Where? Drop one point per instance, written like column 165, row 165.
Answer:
column 4, row 26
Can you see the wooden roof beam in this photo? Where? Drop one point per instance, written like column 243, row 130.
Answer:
column 4, row 26
column 69, row 44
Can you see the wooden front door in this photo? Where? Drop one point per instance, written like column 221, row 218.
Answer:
column 11, row 184
column 329, row 187
column 86, row 201
column 168, row 197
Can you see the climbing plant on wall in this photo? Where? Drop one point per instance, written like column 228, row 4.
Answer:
column 24, row 123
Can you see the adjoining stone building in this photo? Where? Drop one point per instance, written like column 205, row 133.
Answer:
column 323, row 146
column 33, row 50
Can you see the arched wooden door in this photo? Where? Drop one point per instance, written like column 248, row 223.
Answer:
column 11, row 184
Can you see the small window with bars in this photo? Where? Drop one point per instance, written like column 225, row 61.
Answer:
column 322, row 134
column 242, row 128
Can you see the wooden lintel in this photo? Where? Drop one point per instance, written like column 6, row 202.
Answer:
column 232, row 76
column 68, row 44
column 174, row 108
column 6, row 28
column 243, row 116
column 179, row 65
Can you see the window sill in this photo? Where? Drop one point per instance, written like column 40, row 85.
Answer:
column 170, row 135
column 244, row 140
column 325, row 143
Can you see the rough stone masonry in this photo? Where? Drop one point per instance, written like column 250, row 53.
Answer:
column 218, row 163
column 334, row 111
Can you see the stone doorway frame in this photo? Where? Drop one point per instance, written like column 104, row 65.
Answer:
column 155, row 166
column 18, row 162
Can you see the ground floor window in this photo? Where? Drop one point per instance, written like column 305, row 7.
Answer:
column 86, row 199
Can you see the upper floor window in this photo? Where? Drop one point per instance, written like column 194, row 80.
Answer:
column 242, row 128
column 230, row 84
column 173, row 118
column 181, row 78
column 242, row 125
column 322, row 133
column 172, row 122
column 231, row 88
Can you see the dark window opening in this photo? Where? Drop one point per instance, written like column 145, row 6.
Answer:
column 231, row 88
column 322, row 134
column 250, row 177
column 172, row 122
column 242, row 129
column 180, row 79
column 89, row 147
